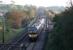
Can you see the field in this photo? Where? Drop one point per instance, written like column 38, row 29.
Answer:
column 9, row 35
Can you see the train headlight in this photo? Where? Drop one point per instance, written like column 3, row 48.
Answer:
column 33, row 35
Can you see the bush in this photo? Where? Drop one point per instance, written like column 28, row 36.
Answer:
column 61, row 38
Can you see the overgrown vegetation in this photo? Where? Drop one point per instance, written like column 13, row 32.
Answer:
column 61, row 38
column 14, row 19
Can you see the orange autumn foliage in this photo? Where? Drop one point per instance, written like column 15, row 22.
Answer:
column 17, row 17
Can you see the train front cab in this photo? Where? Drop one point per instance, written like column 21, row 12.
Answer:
column 32, row 36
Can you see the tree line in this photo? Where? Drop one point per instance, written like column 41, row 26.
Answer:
column 61, row 37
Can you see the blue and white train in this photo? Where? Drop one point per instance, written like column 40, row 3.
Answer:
column 35, row 29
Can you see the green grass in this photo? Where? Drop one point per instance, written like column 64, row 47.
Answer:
column 9, row 35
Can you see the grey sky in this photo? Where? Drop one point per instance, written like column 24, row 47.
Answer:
column 39, row 2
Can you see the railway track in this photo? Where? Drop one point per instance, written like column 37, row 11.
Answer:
column 19, row 46
column 17, row 41
column 7, row 46
column 22, row 43
column 33, row 45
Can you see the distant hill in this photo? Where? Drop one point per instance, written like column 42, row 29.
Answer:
column 56, row 8
column 6, row 7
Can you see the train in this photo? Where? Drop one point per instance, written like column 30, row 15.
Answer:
column 35, row 29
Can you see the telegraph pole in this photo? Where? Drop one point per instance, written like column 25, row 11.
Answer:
column 3, row 30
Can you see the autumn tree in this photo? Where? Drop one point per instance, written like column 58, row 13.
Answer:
column 15, row 17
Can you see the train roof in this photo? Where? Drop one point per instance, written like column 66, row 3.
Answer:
column 32, row 29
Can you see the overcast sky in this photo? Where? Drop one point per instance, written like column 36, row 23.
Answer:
column 38, row 3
